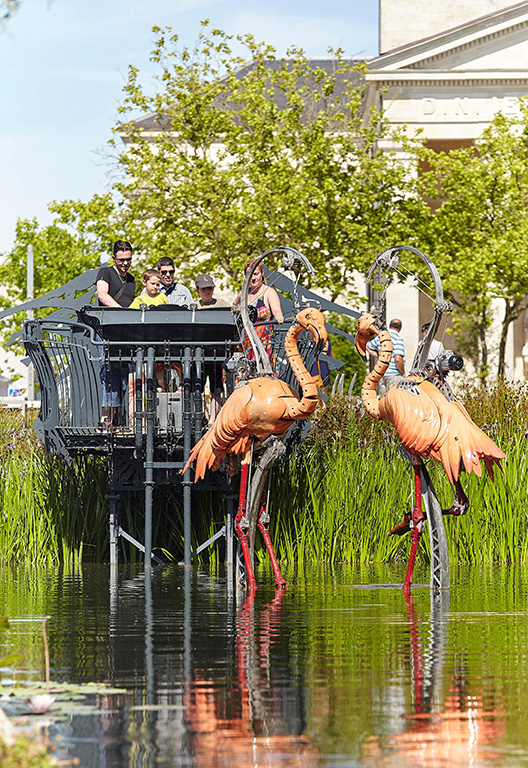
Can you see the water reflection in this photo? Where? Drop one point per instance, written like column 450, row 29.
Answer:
column 450, row 730
column 322, row 673
column 252, row 723
column 210, row 692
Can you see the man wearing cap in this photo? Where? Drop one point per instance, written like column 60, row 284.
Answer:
column 204, row 288
column 176, row 293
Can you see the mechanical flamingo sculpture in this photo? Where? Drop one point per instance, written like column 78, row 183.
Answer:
column 428, row 425
column 264, row 407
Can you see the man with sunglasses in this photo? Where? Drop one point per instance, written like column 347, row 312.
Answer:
column 176, row 293
column 115, row 288
column 115, row 285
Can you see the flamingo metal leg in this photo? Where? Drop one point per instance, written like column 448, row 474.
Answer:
column 242, row 527
column 460, row 502
column 263, row 526
column 417, row 525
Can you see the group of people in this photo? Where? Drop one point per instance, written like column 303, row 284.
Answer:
column 116, row 287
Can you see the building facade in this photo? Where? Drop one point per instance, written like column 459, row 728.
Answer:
column 446, row 69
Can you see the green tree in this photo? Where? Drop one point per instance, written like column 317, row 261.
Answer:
column 59, row 254
column 478, row 235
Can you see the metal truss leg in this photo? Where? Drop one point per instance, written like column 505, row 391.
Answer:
column 437, row 534
column 187, row 437
column 229, row 529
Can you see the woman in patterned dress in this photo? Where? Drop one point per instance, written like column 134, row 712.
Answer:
column 266, row 301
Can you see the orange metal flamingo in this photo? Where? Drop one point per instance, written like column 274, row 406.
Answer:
column 263, row 407
column 428, row 425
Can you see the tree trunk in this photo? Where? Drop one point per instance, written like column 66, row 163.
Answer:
column 483, row 372
column 511, row 313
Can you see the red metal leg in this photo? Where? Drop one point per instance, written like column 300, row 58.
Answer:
column 242, row 526
column 263, row 526
column 417, row 524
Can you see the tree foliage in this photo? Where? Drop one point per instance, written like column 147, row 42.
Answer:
column 237, row 158
column 478, row 236
column 248, row 157
column 59, row 254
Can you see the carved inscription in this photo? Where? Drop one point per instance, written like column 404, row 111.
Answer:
column 467, row 107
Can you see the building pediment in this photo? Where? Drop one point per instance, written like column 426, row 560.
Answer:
column 494, row 47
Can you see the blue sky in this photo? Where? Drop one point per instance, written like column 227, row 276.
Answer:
column 63, row 65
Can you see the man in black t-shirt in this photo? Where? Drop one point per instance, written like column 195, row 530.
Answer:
column 115, row 288
column 115, row 285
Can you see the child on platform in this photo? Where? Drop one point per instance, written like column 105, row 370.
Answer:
column 151, row 296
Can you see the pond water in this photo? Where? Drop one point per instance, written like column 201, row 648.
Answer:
column 337, row 670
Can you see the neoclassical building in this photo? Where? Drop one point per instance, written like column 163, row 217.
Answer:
column 447, row 69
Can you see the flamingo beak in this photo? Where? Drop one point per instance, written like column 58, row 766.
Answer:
column 364, row 333
column 320, row 335
column 361, row 346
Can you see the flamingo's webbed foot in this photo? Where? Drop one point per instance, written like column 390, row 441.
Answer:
column 402, row 527
column 460, row 507
column 460, row 503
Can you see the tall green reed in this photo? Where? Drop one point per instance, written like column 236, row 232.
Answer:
column 332, row 502
column 348, row 486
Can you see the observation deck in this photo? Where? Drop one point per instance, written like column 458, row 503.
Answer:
column 172, row 362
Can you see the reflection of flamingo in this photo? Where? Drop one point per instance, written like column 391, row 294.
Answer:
column 428, row 424
column 263, row 407
column 253, row 723
column 452, row 731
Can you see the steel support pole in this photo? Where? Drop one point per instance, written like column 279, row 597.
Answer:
column 199, row 375
column 149, row 454
column 138, row 400
column 229, row 527
column 187, row 437
column 30, row 391
column 113, row 498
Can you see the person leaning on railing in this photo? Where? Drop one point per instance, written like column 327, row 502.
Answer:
column 266, row 301
column 176, row 293
column 205, row 286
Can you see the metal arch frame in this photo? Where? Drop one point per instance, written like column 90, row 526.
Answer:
column 389, row 259
column 292, row 259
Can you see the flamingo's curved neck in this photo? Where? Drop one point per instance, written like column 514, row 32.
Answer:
column 368, row 389
column 308, row 401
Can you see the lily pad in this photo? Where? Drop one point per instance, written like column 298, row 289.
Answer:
column 61, row 691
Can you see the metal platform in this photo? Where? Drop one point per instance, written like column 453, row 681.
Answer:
column 175, row 349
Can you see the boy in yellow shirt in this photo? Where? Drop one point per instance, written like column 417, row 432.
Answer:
column 152, row 296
